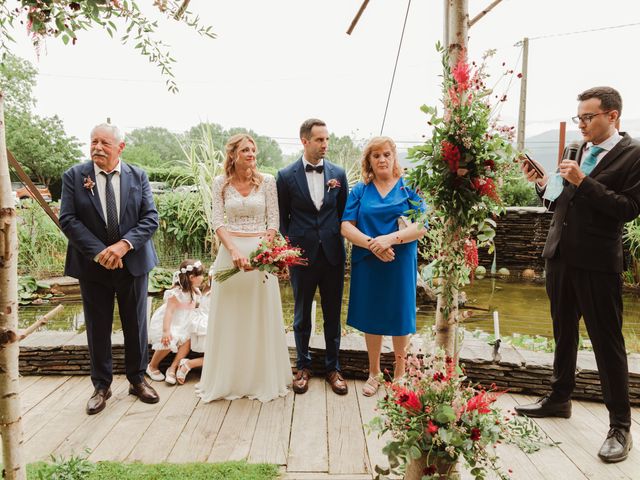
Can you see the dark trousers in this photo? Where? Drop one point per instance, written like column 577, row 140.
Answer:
column 304, row 282
column 596, row 297
column 98, row 303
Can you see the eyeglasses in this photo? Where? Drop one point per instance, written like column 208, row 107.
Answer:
column 587, row 117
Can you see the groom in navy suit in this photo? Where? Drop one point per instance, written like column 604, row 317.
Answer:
column 108, row 215
column 312, row 194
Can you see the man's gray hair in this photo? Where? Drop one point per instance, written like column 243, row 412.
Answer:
column 117, row 134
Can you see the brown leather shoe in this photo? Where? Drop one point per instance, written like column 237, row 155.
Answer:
column 338, row 385
column 301, row 381
column 98, row 400
column 144, row 392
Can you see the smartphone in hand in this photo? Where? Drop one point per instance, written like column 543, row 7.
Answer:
column 532, row 165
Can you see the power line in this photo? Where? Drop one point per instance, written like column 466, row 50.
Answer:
column 395, row 67
column 564, row 34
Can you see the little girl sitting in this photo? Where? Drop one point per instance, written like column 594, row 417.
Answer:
column 172, row 324
column 200, row 319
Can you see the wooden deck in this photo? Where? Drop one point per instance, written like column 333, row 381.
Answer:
column 316, row 436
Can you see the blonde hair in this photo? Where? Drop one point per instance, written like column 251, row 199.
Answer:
column 374, row 143
column 231, row 149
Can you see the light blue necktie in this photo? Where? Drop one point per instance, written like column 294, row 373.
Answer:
column 555, row 184
column 589, row 162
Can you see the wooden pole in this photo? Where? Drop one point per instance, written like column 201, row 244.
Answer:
column 354, row 22
column 446, row 325
column 37, row 196
column 10, row 419
column 484, row 12
column 458, row 30
column 523, row 95
column 562, row 140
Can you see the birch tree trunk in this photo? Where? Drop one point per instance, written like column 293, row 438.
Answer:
column 446, row 325
column 10, row 420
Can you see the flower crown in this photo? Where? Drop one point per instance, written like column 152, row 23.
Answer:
column 188, row 268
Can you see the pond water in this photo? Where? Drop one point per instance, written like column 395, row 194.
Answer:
column 523, row 308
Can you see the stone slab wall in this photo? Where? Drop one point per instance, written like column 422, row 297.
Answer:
column 520, row 371
column 520, row 238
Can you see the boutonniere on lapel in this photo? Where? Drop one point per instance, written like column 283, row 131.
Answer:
column 89, row 184
column 332, row 183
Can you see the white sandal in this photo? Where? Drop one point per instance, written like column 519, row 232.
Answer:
column 370, row 388
column 155, row 375
column 183, row 371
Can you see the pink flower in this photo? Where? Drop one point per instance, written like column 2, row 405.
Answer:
column 89, row 184
column 332, row 183
column 461, row 74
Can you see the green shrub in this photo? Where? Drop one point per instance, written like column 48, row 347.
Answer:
column 42, row 246
column 183, row 230
column 517, row 192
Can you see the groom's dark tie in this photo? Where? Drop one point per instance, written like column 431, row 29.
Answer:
column 113, row 231
column 311, row 168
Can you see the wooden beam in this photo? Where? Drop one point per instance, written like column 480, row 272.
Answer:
column 357, row 17
column 483, row 12
column 24, row 178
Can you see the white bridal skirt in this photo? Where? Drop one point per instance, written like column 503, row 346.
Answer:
column 245, row 352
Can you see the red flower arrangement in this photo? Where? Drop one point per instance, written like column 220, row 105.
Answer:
column 459, row 168
column 274, row 257
column 435, row 412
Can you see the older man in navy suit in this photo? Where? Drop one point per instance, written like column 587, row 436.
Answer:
column 109, row 217
column 312, row 194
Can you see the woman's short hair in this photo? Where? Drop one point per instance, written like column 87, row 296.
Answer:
column 375, row 143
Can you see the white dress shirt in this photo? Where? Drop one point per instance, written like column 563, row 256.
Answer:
column 315, row 181
column 101, row 184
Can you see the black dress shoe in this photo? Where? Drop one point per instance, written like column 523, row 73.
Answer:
column 545, row 407
column 98, row 400
column 144, row 392
column 617, row 445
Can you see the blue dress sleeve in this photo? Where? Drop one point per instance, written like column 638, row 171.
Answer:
column 352, row 208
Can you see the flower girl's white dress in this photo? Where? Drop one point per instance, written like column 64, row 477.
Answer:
column 181, row 322
column 246, row 351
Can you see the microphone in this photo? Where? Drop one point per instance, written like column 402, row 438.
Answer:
column 570, row 152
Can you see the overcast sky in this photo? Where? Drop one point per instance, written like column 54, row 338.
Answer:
column 276, row 63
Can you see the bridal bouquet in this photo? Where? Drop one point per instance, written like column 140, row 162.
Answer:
column 273, row 257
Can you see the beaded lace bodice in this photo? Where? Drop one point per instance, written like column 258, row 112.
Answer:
column 254, row 213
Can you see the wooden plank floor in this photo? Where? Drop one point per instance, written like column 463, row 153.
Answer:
column 316, row 436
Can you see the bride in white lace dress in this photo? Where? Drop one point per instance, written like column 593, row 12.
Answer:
column 246, row 351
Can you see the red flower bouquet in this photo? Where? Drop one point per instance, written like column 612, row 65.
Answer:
column 273, row 257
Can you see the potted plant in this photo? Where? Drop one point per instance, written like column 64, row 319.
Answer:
column 436, row 418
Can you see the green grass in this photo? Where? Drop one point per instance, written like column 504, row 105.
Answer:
column 77, row 468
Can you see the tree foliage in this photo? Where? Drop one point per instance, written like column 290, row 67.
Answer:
column 40, row 144
column 152, row 147
column 64, row 19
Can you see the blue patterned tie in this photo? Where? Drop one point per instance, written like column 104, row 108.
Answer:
column 113, row 231
column 589, row 162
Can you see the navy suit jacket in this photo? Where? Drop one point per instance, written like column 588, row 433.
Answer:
column 83, row 222
column 300, row 220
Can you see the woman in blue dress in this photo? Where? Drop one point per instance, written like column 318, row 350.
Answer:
column 384, row 258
